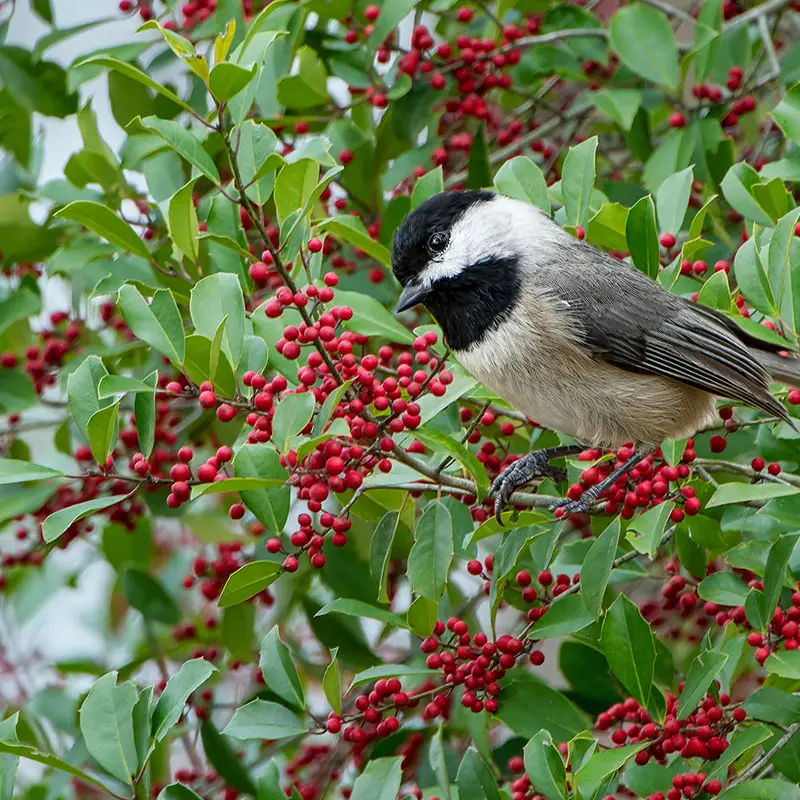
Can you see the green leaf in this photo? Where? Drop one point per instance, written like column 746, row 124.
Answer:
column 577, row 182
column 372, row 319
column 521, row 178
column 270, row 507
column 102, row 430
column 279, row 671
column 421, row 616
column 787, row 114
column 645, row 531
column 159, row 323
column 112, row 385
column 22, row 304
column 204, row 361
column 716, row 293
column 643, row 39
column 475, row 779
column 629, row 647
column 60, row 520
column 332, row 682
column 761, row 790
column 621, row 105
column 214, row 299
column 38, row 86
column 432, row 552
column 12, row 471
column 182, row 221
column 257, row 159
column 190, row 677
column 479, row 169
column 358, row 608
column 328, row 407
column 783, row 266
column 545, row 766
column 597, row 566
column 775, row 572
column 177, row 791
column 436, row 757
column 144, row 412
column 414, row 674
column 106, row 224
column 82, row 390
column 642, row 236
column 248, row 581
column 392, row 14
column 352, row 230
column 106, row 723
column 723, row 588
column 528, row 706
column 440, row 442
column 227, row 80
column 589, row 778
column 672, row 200
column 236, row 630
column 738, row 493
column 785, row 663
column 234, row 485
column 430, row 184
column 294, row 186
column 292, row 414
column 259, row 719
column 382, row 777
column 702, row 672
column 566, row 615
column 185, row 144
column 380, row 553
column 737, row 187
column 225, row 761
column 772, row 705
column 148, row 596
column 43, row 10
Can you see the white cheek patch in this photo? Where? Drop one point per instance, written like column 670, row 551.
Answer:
column 501, row 228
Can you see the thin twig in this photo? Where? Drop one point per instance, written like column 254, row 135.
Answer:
column 760, row 762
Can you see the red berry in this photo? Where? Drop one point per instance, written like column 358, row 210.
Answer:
column 677, row 120
column 372, row 13
column 667, row 240
column 315, row 245
column 207, row 399
column 236, row 511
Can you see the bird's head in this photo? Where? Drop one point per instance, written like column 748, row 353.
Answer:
column 437, row 242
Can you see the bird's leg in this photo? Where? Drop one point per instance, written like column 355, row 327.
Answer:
column 533, row 465
column 583, row 505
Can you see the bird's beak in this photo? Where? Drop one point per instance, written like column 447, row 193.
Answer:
column 412, row 294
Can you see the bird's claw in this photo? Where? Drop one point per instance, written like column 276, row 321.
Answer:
column 567, row 507
column 518, row 474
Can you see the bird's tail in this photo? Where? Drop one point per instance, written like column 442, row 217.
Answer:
column 782, row 369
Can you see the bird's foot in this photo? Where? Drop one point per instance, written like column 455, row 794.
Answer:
column 533, row 465
column 563, row 508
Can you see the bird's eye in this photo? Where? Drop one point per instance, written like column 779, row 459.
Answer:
column 437, row 242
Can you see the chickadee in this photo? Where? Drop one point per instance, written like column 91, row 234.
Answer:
column 571, row 337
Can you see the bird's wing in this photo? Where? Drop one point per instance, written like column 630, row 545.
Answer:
column 629, row 321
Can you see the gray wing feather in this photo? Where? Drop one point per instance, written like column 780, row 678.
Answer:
column 630, row 321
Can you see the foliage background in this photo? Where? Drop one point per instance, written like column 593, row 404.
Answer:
column 721, row 572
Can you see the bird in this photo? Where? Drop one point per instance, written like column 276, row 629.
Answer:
column 581, row 342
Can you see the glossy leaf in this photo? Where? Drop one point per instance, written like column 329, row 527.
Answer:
column 629, row 648
column 729, row 493
column 380, row 780
column 430, row 557
column 642, row 236
column 214, row 299
column 577, row 181
column 182, row 221
column 280, row 675
column 475, row 778
column 158, row 323
column 146, row 594
column 332, row 682
column 106, row 224
column 185, row 144
column 521, row 178
column 292, row 415
column 643, row 39
column 60, row 520
column 12, row 471
column 545, row 766
column 107, row 726
column 357, row 608
column 380, row 552
column 597, row 567
column 227, row 80
column 270, row 506
column 703, row 671
column 186, row 680
column 248, row 581
column 259, row 719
